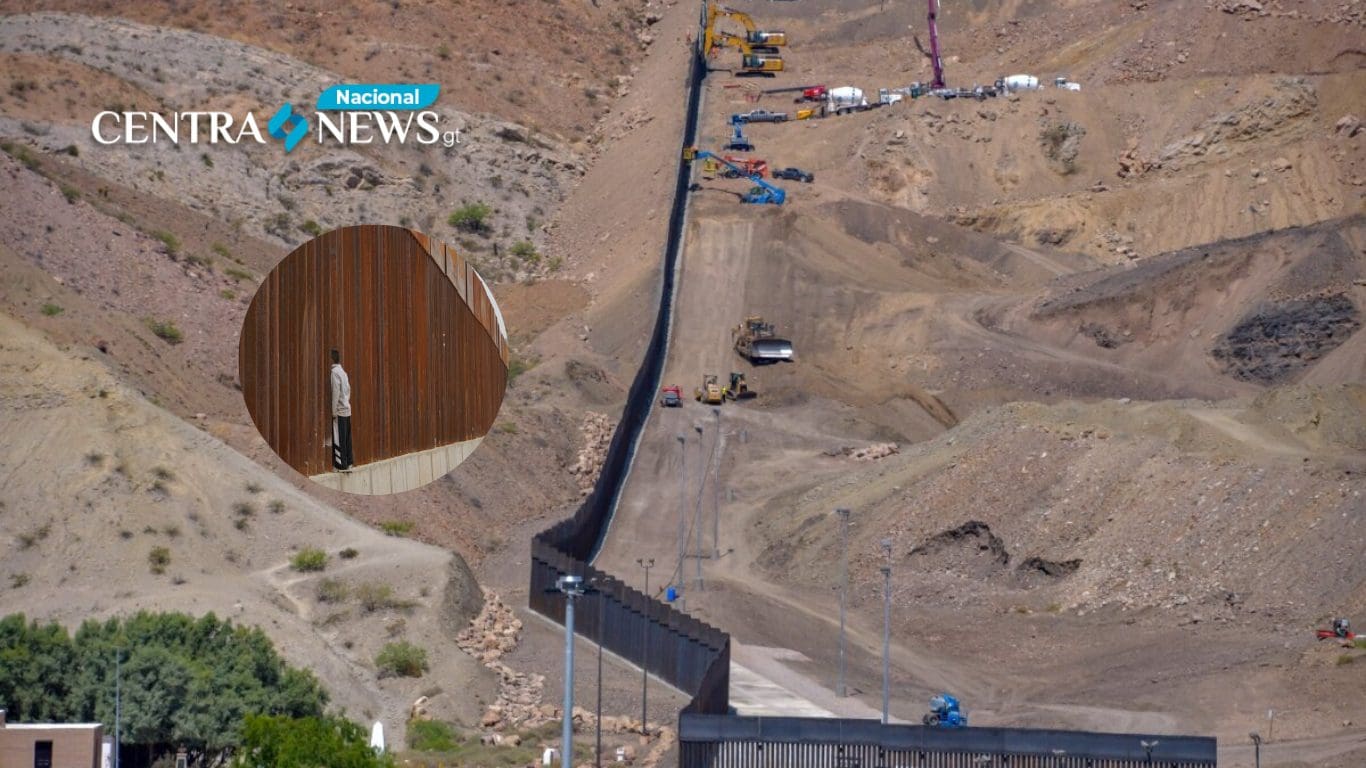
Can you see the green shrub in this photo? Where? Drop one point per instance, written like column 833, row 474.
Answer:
column 166, row 331
column 70, row 193
column 238, row 274
column 348, row 553
column 52, row 310
column 311, row 227
column 158, row 559
column 401, row 659
column 471, row 218
column 17, row 580
column 308, row 559
column 432, row 736
column 396, row 527
column 332, row 591
column 169, row 240
column 375, row 597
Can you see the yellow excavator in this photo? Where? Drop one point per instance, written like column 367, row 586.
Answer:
column 754, row 60
column 764, row 40
column 758, row 48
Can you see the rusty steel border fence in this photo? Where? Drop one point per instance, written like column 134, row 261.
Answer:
column 695, row 657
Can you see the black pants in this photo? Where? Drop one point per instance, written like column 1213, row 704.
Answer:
column 341, row 443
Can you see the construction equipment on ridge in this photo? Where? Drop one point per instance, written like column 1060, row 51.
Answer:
column 739, row 388
column 760, row 194
column 757, row 342
column 945, row 713
column 758, row 48
column 935, row 60
column 739, row 142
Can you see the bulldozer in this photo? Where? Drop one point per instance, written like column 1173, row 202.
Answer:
column 756, row 341
column 710, row 392
column 739, row 388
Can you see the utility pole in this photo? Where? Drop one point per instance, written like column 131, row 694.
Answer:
column 844, row 587
column 716, row 507
column 1256, row 748
column 701, row 488
column 1148, row 748
column 647, row 563
column 887, row 632
column 682, row 513
column 572, row 587
column 596, row 583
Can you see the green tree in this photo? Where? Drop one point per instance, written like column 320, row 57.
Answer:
column 308, row 742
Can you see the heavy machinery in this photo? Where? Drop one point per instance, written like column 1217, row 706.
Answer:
column 753, row 35
column 671, row 397
column 762, row 193
column 1341, row 630
column 739, row 388
column 710, row 392
column 756, row 341
column 760, row 60
column 945, row 713
column 744, row 166
column 739, row 142
column 845, row 99
column 935, row 61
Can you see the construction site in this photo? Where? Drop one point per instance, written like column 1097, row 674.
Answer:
column 944, row 383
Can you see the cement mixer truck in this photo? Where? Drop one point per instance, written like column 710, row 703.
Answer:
column 844, row 100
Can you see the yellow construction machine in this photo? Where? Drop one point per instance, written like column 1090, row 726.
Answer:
column 754, row 60
column 710, row 392
column 763, row 41
column 739, row 388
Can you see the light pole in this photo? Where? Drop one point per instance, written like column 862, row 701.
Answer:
column 887, row 632
column 596, row 583
column 572, row 587
column 1148, row 748
column 647, row 563
column 716, row 489
column 844, row 588
column 1256, row 748
column 682, row 511
column 701, row 488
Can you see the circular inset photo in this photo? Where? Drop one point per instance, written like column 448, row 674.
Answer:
column 373, row 359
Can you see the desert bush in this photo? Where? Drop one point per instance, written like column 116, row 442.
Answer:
column 52, row 310
column 308, row 559
column 332, row 591
column 401, row 659
column 158, row 559
column 396, row 527
column 166, row 331
column 473, row 217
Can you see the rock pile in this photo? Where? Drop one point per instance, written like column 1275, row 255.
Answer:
column 490, row 635
column 597, row 435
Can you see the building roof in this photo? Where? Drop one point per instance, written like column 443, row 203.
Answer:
column 50, row 726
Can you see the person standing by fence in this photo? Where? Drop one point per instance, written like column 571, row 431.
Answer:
column 342, row 458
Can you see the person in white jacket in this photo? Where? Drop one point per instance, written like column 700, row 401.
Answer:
column 342, row 458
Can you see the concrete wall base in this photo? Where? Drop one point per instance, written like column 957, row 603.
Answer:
column 401, row 473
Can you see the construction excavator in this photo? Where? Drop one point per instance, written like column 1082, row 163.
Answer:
column 757, row 342
column 755, row 60
column 762, row 193
column 767, row 41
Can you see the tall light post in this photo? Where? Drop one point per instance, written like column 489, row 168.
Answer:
column 887, row 632
column 701, row 488
column 1256, row 748
column 716, row 488
column 596, row 585
column 1148, row 748
column 844, row 588
column 682, row 512
column 647, row 563
column 572, row 587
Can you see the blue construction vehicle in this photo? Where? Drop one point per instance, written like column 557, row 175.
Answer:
column 762, row 193
column 944, row 713
column 738, row 141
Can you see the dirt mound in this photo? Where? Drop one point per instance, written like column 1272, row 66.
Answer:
column 1277, row 342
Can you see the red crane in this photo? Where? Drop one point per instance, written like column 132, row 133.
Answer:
column 934, row 46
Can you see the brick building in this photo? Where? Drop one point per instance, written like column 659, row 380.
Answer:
column 50, row 745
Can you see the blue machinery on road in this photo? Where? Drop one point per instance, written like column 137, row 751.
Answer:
column 695, row 657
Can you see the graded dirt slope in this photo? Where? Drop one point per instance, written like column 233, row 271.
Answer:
column 1105, row 343
column 96, row 478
